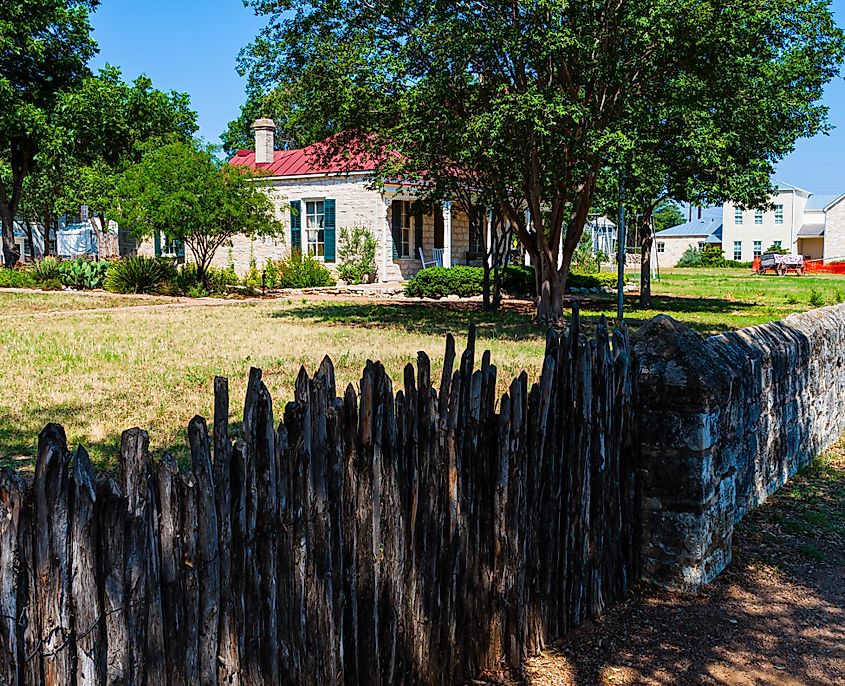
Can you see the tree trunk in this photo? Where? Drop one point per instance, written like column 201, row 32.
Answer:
column 551, row 284
column 48, row 220
column 30, row 234
column 11, row 254
column 645, row 262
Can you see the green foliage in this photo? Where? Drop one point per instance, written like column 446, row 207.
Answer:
column 667, row 215
column 778, row 249
column 82, row 274
column 139, row 274
column 356, row 255
column 583, row 260
column 710, row 256
column 187, row 280
column 253, row 276
column 16, row 278
column 183, row 192
column 816, row 298
column 303, row 271
column 271, row 274
column 597, row 280
column 519, row 279
column 438, row 282
column 47, row 269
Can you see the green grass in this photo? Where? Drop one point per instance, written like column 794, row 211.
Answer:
column 99, row 363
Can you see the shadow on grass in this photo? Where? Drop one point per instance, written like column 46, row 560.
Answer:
column 515, row 320
column 19, row 444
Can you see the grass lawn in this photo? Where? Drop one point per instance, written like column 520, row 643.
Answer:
column 99, row 364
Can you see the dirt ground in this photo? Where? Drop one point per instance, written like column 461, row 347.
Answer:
column 776, row 616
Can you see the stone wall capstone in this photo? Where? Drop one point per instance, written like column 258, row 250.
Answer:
column 724, row 422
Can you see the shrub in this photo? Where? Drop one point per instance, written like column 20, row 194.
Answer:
column 816, row 298
column 518, row 279
column 139, row 275
column 356, row 255
column 252, row 279
column 712, row 256
column 583, row 259
column 778, row 249
column 303, row 271
column 82, row 274
column 437, row 282
column 186, row 280
column 47, row 269
column 16, row 278
column 690, row 258
column 598, row 280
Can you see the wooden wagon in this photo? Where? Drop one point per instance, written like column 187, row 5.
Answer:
column 776, row 263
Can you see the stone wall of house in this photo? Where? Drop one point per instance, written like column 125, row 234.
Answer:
column 725, row 421
column 834, row 232
column 673, row 248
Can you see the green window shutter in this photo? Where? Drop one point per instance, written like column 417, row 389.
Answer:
column 157, row 241
column 396, row 225
column 329, row 230
column 418, row 234
column 180, row 250
column 295, row 225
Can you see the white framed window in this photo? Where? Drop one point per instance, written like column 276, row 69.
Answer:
column 402, row 228
column 701, row 245
column 758, row 248
column 661, row 247
column 737, row 250
column 758, row 217
column 738, row 215
column 778, row 214
column 315, row 237
column 778, row 244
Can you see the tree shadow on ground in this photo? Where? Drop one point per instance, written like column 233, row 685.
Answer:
column 514, row 321
column 776, row 616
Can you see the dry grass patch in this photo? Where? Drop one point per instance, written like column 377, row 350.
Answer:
column 98, row 373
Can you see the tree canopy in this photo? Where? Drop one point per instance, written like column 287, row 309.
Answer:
column 45, row 46
column 543, row 99
column 181, row 192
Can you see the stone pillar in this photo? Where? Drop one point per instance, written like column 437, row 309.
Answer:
column 447, row 233
column 687, row 491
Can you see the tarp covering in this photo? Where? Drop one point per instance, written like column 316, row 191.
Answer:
column 77, row 240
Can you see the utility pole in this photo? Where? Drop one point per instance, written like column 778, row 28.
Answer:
column 620, row 256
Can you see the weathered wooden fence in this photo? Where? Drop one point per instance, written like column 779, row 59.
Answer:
column 381, row 537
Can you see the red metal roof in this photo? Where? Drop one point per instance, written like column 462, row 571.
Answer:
column 309, row 160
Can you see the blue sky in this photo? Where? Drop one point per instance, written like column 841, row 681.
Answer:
column 193, row 46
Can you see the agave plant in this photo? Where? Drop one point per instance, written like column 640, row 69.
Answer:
column 139, row 275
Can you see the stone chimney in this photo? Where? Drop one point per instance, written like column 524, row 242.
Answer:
column 264, row 130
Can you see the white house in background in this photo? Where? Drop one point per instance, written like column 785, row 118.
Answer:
column 315, row 198
column 671, row 244
column 69, row 238
column 805, row 223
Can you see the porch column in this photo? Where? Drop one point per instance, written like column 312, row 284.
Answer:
column 527, row 257
column 447, row 233
column 385, row 239
column 489, row 243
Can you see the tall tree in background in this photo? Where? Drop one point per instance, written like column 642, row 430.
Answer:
column 547, row 95
column 45, row 46
column 110, row 124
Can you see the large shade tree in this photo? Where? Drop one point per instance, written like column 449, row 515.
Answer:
column 181, row 192
column 546, row 96
column 45, row 46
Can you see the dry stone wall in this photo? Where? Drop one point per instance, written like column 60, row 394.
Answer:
column 724, row 422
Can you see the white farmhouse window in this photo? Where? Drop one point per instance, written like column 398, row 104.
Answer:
column 738, row 250
column 401, row 227
column 738, row 216
column 758, row 217
column 778, row 214
column 661, row 247
column 758, row 248
column 314, row 233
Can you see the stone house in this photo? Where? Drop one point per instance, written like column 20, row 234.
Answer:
column 670, row 244
column 315, row 199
